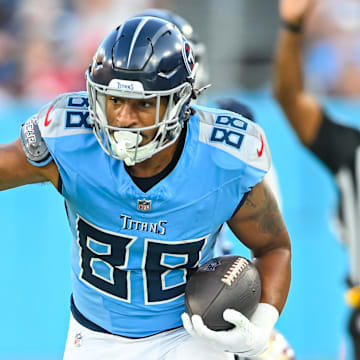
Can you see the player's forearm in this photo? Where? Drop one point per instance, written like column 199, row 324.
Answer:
column 260, row 226
column 8, row 177
column 301, row 109
column 275, row 271
column 288, row 79
column 14, row 168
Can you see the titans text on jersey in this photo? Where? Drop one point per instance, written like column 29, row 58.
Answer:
column 156, row 228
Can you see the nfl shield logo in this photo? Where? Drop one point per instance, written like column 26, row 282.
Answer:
column 144, row 205
column 78, row 340
column 210, row 265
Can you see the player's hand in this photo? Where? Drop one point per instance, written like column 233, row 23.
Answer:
column 294, row 11
column 248, row 337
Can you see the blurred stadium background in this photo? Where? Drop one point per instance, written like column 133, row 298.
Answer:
column 45, row 48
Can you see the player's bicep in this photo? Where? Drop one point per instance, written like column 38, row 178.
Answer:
column 259, row 223
column 15, row 170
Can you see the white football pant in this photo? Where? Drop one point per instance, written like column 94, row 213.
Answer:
column 85, row 344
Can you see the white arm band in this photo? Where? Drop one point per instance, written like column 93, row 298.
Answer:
column 265, row 316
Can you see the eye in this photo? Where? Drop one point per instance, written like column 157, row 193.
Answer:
column 147, row 104
column 116, row 100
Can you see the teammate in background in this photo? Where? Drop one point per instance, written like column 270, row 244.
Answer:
column 148, row 181
column 279, row 348
column 337, row 146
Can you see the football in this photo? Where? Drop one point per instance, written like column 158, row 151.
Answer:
column 225, row 282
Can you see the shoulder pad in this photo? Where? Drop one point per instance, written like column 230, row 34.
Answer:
column 33, row 144
column 235, row 135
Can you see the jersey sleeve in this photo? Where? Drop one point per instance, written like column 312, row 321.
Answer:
column 52, row 133
column 239, row 144
column 335, row 144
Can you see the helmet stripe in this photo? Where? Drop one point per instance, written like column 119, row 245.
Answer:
column 134, row 39
column 160, row 33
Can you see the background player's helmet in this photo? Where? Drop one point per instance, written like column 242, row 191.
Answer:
column 144, row 58
column 235, row 106
column 202, row 74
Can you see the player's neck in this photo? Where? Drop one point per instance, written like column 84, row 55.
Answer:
column 155, row 164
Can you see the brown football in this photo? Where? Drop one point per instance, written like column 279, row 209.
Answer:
column 225, row 282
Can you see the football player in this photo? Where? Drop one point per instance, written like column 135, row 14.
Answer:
column 148, row 180
column 335, row 144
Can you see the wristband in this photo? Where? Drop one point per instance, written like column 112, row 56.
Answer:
column 294, row 28
column 265, row 316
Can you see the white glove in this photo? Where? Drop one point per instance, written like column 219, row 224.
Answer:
column 247, row 338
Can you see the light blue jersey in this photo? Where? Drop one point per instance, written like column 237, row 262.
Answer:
column 132, row 252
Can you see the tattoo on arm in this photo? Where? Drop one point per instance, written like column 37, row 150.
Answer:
column 249, row 202
column 267, row 216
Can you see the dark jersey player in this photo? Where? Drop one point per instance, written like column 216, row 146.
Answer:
column 336, row 145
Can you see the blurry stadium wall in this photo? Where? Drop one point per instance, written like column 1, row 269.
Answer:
column 35, row 242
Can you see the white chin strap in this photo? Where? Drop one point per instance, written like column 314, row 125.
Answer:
column 124, row 144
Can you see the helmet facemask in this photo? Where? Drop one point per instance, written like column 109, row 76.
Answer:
column 144, row 58
column 124, row 143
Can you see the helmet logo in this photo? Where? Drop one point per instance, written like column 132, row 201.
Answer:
column 127, row 86
column 188, row 55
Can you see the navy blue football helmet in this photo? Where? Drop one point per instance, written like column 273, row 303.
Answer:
column 202, row 75
column 144, row 58
column 236, row 106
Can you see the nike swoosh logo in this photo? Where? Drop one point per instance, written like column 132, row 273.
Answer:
column 259, row 152
column 47, row 120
